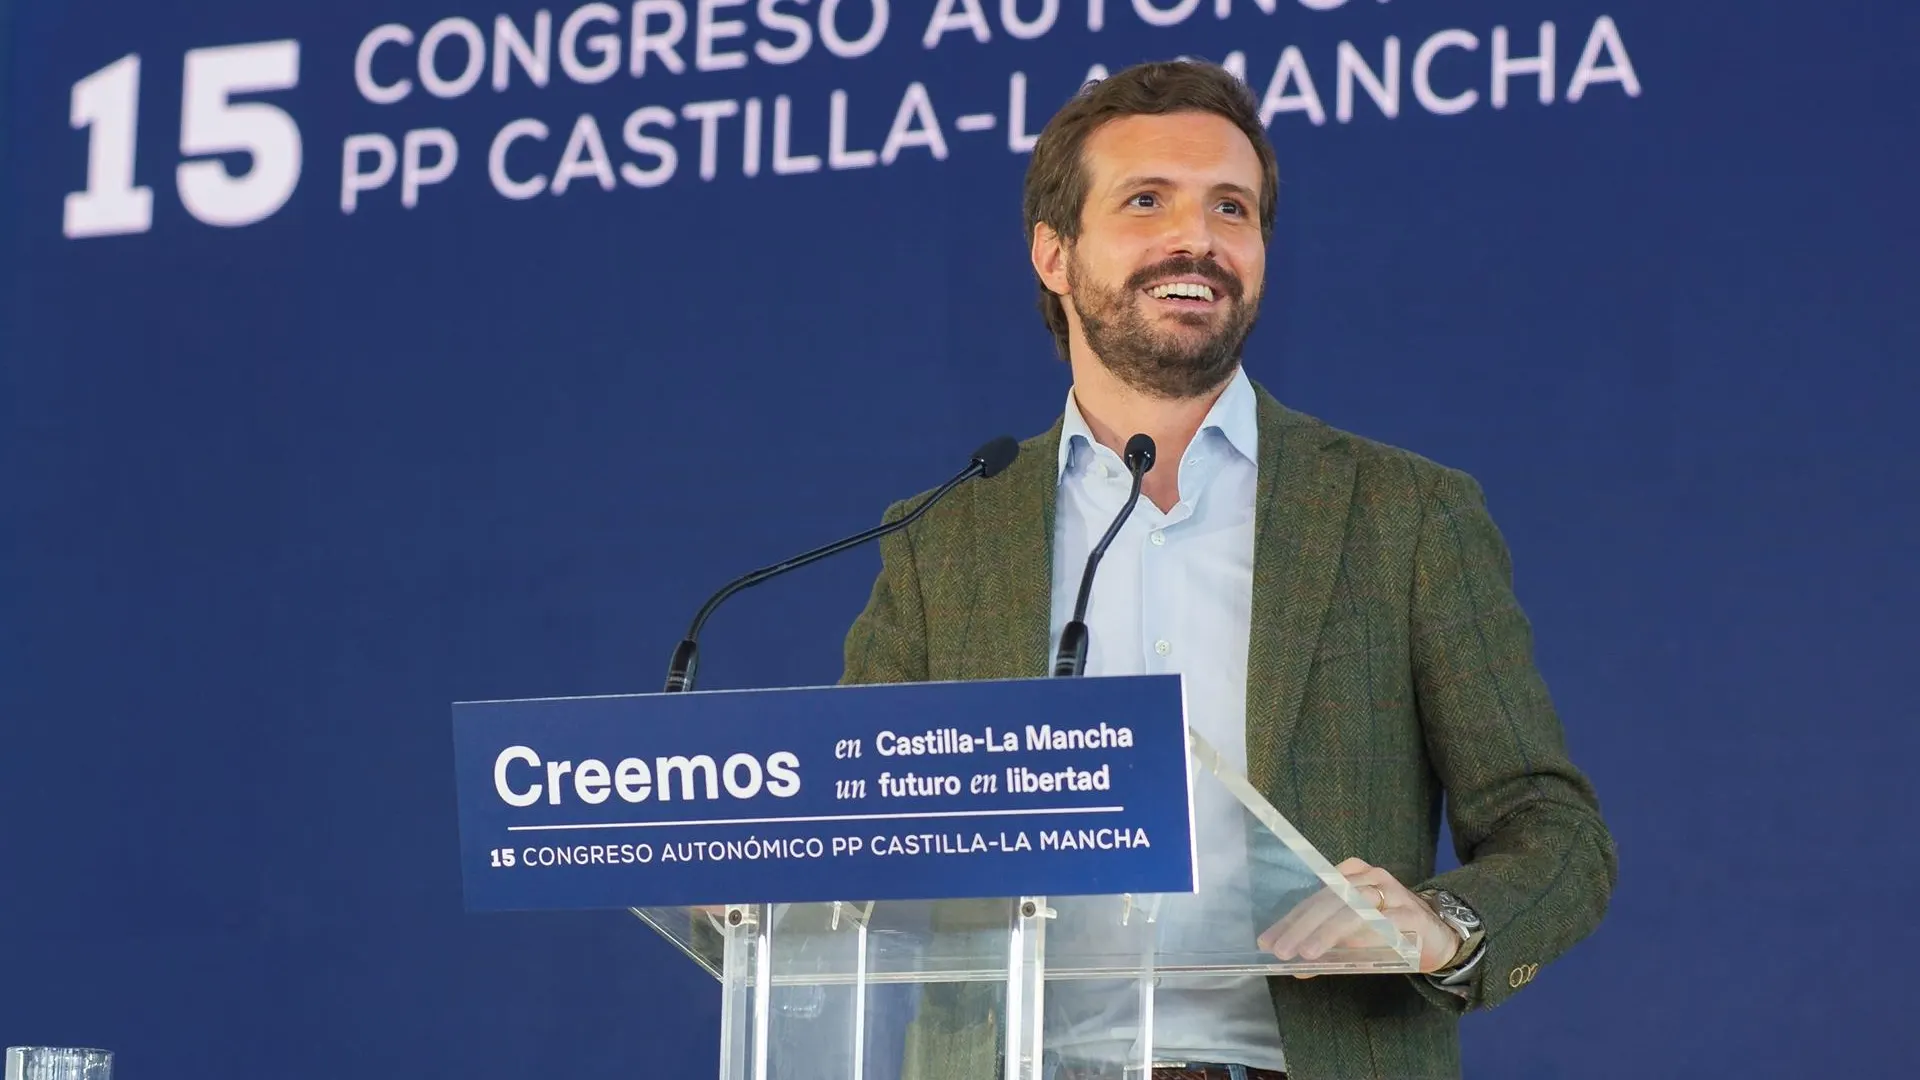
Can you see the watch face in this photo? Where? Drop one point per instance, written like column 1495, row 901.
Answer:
column 1454, row 910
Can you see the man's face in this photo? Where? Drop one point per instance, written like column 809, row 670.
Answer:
column 1167, row 272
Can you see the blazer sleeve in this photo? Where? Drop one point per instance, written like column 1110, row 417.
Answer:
column 1537, row 862
column 887, row 642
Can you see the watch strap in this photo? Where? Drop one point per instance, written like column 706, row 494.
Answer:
column 1464, row 922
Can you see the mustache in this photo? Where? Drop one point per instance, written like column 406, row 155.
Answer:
column 1216, row 275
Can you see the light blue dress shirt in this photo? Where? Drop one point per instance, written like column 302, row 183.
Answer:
column 1174, row 593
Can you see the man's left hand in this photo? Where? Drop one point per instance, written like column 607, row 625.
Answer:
column 1325, row 922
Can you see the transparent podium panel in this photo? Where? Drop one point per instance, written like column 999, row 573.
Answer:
column 999, row 989
column 863, row 990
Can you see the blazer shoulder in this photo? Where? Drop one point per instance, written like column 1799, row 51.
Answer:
column 1380, row 468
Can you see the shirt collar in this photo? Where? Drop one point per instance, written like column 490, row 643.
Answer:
column 1235, row 415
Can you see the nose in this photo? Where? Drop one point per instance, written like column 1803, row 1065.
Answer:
column 1189, row 231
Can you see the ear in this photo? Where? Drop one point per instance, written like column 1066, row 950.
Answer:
column 1050, row 258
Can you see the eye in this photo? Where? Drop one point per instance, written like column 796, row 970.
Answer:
column 1145, row 200
column 1233, row 206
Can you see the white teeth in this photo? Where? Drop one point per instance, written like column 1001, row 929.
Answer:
column 1182, row 288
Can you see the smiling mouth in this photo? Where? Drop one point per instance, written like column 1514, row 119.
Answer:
column 1183, row 293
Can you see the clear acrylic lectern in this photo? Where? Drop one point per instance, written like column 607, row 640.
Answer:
column 992, row 989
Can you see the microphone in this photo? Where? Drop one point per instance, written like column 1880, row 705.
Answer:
column 1071, row 660
column 987, row 461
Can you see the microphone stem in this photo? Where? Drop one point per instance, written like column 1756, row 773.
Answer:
column 686, row 656
column 1100, row 549
column 1072, row 658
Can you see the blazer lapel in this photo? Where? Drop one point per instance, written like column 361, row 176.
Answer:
column 1013, row 579
column 1305, row 490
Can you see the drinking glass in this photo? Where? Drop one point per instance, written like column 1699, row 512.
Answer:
column 58, row 1063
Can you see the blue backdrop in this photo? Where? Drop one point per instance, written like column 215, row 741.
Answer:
column 279, row 481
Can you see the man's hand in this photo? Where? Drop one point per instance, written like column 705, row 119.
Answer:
column 1324, row 922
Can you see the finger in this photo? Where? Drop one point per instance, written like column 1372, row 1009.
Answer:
column 1380, row 897
column 1372, row 891
column 1348, row 930
column 1340, row 929
column 1344, row 927
column 1284, row 939
column 1376, row 878
column 1381, row 890
column 1285, row 935
column 1284, row 924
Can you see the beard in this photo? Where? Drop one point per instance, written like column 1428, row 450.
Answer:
column 1173, row 362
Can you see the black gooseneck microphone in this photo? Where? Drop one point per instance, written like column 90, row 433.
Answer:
column 987, row 461
column 1071, row 660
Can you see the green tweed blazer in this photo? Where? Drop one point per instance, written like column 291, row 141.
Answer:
column 1389, row 667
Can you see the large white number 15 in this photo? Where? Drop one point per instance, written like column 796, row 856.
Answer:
column 210, row 123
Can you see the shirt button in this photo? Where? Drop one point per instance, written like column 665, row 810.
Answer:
column 1162, row 648
column 1157, row 537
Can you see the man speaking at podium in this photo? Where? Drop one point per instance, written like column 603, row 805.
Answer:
column 1340, row 609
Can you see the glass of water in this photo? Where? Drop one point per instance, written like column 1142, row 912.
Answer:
column 58, row 1063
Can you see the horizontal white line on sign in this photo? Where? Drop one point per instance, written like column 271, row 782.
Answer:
column 822, row 817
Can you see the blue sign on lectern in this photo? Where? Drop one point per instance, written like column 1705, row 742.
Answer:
column 913, row 791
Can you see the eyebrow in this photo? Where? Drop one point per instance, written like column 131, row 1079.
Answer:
column 1161, row 181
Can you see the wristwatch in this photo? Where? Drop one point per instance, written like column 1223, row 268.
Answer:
column 1465, row 922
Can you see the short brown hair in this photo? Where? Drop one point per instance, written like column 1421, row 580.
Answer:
column 1056, row 186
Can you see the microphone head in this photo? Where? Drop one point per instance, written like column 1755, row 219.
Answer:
column 996, row 455
column 1139, row 455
